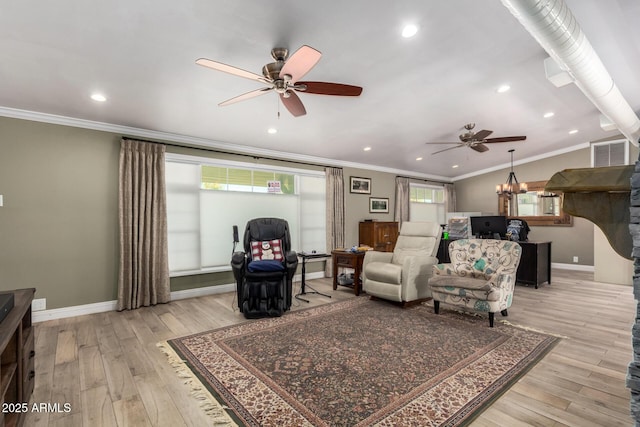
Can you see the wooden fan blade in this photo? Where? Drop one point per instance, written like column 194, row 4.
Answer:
column 231, row 70
column 443, row 143
column 245, row 96
column 293, row 104
column 300, row 63
column 482, row 134
column 447, row 149
column 479, row 147
column 505, row 139
column 324, row 88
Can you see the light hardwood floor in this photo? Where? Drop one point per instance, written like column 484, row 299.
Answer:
column 108, row 368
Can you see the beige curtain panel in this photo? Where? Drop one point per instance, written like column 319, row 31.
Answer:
column 449, row 198
column 335, row 213
column 402, row 200
column 144, row 265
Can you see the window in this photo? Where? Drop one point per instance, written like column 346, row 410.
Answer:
column 257, row 181
column 426, row 203
column 424, row 194
column 206, row 198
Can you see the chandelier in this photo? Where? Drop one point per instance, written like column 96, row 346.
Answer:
column 512, row 186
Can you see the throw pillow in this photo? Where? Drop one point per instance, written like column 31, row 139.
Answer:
column 266, row 250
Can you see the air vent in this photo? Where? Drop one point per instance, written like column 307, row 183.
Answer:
column 612, row 153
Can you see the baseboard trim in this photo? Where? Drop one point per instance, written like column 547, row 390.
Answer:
column 76, row 310
column 101, row 307
column 575, row 267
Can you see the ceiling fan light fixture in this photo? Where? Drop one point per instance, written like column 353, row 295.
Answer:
column 282, row 77
column 409, row 31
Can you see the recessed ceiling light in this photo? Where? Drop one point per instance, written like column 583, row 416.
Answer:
column 367, row 149
column 409, row 31
column 549, row 114
column 98, row 97
column 272, row 130
column 454, row 166
column 503, row 88
column 572, row 131
column 418, row 158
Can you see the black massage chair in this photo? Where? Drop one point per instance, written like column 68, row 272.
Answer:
column 264, row 271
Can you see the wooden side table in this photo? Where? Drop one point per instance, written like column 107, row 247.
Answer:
column 348, row 259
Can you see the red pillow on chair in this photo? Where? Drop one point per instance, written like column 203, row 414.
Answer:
column 268, row 249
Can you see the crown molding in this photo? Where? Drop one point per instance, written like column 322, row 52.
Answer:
column 203, row 142
column 524, row 161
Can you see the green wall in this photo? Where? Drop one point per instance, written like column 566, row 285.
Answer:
column 59, row 222
column 357, row 205
column 478, row 194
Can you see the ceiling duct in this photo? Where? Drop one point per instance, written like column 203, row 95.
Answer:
column 555, row 74
column 553, row 25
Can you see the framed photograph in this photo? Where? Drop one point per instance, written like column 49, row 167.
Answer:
column 378, row 205
column 360, row 185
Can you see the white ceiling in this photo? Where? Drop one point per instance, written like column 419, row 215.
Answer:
column 141, row 55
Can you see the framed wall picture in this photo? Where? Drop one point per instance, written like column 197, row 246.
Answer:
column 360, row 185
column 378, row 205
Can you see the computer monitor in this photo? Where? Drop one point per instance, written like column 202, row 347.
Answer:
column 489, row 226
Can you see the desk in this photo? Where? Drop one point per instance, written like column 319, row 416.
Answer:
column 348, row 259
column 535, row 263
column 305, row 256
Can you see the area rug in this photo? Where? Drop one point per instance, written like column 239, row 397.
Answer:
column 360, row 363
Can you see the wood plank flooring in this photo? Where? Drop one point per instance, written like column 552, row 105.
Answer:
column 108, row 368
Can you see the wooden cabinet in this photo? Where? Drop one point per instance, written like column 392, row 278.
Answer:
column 17, row 359
column 535, row 263
column 381, row 236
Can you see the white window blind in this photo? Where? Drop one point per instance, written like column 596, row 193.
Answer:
column 205, row 201
column 426, row 203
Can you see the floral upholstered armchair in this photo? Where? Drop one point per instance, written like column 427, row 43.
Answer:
column 481, row 276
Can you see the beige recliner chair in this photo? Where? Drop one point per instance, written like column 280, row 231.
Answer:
column 403, row 275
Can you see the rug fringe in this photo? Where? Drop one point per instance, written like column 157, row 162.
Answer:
column 211, row 407
column 506, row 322
column 530, row 329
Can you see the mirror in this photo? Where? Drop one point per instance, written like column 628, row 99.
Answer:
column 536, row 206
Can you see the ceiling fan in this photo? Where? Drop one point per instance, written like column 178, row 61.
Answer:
column 477, row 140
column 283, row 76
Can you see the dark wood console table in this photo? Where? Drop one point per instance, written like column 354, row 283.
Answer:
column 348, row 259
column 535, row 263
column 17, row 366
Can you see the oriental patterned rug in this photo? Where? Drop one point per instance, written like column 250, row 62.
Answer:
column 359, row 363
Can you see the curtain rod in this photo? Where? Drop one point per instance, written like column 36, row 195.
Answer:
column 213, row 150
column 423, row 179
